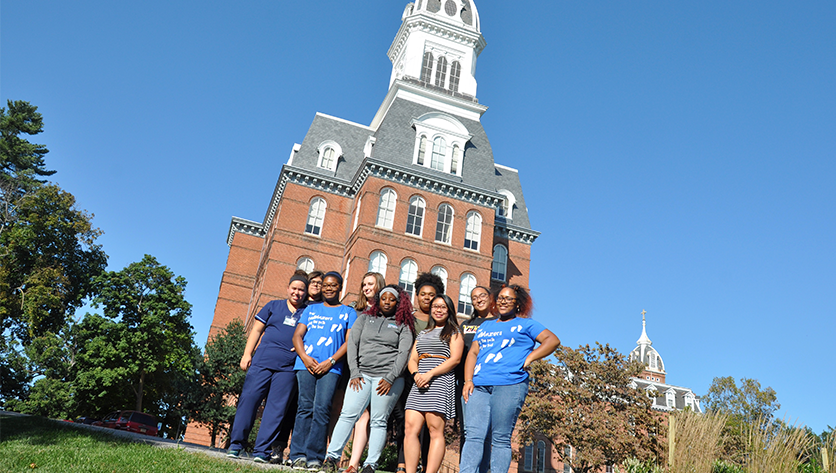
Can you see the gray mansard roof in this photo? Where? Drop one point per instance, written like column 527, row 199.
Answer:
column 660, row 398
column 395, row 144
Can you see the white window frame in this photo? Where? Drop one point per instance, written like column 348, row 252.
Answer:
column 378, row 261
column 415, row 216
column 499, row 266
column 506, row 208
column 322, row 150
column 305, row 263
column 443, row 226
column 433, row 126
column 466, row 284
column 316, row 216
column 386, row 208
column 407, row 276
column 442, row 273
column 455, row 76
column 473, row 231
column 670, row 399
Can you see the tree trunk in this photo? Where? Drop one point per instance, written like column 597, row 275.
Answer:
column 140, row 390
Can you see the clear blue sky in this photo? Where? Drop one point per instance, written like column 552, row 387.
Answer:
column 678, row 157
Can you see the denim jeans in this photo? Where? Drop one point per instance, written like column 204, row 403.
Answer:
column 493, row 408
column 312, row 415
column 485, row 465
column 354, row 404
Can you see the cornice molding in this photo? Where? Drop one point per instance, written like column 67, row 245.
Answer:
column 421, row 22
column 515, row 233
column 247, row 227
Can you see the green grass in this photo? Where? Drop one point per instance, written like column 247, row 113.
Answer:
column 41, row 445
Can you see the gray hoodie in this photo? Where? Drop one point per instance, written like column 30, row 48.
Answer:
column 378, row 347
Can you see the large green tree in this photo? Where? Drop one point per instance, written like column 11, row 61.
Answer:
column 585, row 400
column 220, row 380
column 48, row 255
column 142, row 348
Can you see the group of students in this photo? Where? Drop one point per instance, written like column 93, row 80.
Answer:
column 418, row 366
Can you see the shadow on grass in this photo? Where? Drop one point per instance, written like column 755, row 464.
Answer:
column 40, row 431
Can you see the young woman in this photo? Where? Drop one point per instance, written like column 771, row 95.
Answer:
column 315, row 286
column 482, row 301
column 378, row 349
column 496, row 380
column 371, row 284
column 320, row 342
column 431, row 400
column 269, row 371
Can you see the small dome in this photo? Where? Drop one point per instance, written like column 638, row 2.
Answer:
column 645, row 352
column 459, row 12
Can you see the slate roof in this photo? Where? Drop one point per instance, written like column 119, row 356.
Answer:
column 660, row 401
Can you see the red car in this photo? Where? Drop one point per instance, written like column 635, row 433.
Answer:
column 132, row 421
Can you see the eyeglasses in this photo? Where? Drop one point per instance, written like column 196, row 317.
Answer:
column 503, row 299
column 315, row 283
column 439, row 307
column 481, row 297
column 330, row 286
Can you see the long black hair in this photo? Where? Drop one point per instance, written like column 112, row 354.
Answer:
column 452, row 325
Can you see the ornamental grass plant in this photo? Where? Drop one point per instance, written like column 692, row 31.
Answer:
column 699, row 439
column 775, row 449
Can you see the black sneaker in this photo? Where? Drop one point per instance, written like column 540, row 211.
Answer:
column 300, row 463
column 330, row 465
column 260, row 459
column 368, row 468
column 233, row 453
column 314, row 466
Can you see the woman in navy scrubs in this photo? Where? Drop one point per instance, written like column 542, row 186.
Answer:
column 269, row 370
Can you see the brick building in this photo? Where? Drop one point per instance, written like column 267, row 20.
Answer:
column 415, row 190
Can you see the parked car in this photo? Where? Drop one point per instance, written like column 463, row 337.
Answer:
column 86, row 420
column 132, row 421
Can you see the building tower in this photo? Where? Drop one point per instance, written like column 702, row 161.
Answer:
column 415, row 190
column 644, row 352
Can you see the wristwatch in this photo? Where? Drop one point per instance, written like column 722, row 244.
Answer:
column 332, row 360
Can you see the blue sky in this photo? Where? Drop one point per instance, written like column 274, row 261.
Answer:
column 678, row 157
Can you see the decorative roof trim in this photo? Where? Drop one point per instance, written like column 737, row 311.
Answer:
column 507, row 168
column 515, row 233
column 247, row 227
column 427, row 23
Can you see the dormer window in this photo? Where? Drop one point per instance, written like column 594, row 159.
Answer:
column 329, row 153
column 443, row 138
column 670, row 398
column 506, row 206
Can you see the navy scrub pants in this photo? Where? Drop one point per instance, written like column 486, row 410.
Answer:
column 278, row 387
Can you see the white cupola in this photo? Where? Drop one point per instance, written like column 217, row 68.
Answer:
column 437, row 46
column 645, row 352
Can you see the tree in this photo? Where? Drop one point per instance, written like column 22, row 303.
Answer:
column 745, row 405
column 140, row 349
column 21, row 162
column 14, row 372
column 221, row 379
column 585, row 401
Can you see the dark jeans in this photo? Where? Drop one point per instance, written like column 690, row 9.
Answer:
column 312, row 415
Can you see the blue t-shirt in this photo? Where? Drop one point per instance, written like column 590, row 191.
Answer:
column 503, row 347
column 327, row 327
column 275, row 349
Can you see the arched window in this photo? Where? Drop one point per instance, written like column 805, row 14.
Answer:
column 455, row 75
column 316, row 215
column 457, row 157
column 499, row 268
column 439, row 151
column 415, row 216
column 386, row 209
column 541, row 456
column 409, row 271
column 442, row 273
column 528, row 458
column 567, row 453
column 473, row 231
column 466, row 286
column 305, row 264
column 441, row 71
column 422, row 151
column 328, row 158
column 378, row 262
column 444, row 227
column 427, row 67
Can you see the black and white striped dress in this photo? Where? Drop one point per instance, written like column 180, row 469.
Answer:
column 439, row 395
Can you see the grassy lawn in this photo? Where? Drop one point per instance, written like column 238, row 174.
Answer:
column 38, row 444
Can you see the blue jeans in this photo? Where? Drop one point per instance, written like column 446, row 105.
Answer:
column 485, row 465
column 493, row 408
column 354, row 404
column 312, row 415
